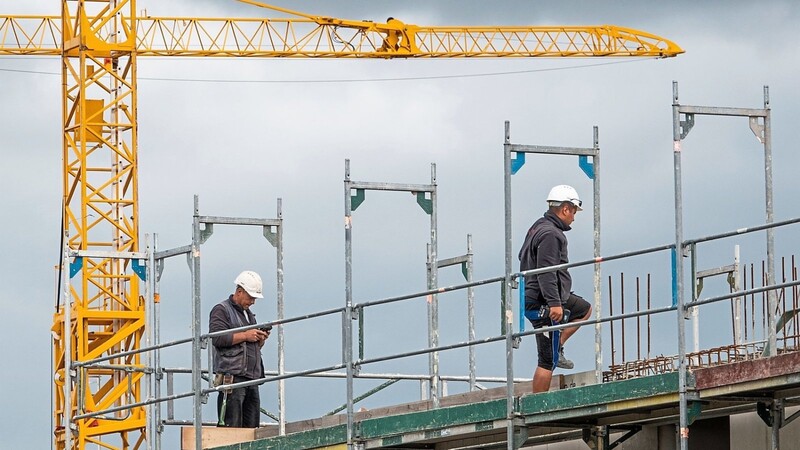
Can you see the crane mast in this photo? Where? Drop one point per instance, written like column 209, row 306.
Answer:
column 100, row 310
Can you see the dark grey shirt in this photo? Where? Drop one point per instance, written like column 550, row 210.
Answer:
column 545, row 245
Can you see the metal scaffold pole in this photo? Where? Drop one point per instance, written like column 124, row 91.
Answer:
column 598, row 300
column 763, row 133
column 197, row 379
column 158, row 266
column 433, row 283
column 509, row 313
column 677, row 260
column 347, row 326
column 281, row 312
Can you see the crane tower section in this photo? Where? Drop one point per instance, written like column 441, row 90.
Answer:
column 101, row 311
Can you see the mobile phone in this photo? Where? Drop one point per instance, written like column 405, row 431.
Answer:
column 266, row 329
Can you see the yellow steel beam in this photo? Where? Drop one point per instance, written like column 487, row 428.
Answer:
column 319, row 37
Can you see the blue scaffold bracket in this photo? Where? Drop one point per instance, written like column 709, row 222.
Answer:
column 522, row 304
column 518, row 162
column 357, row 200
column 586, row 166
column 75, row 266
column 464, row 271
column 424, row 203
column 139, row 269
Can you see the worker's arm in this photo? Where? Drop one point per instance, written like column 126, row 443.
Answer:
column 218, row 321
column 253, row 335
column 548, row 253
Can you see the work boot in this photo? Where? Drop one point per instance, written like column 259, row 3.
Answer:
column 564, row 363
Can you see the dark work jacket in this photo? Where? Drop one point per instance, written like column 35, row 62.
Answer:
column 545, row 245
column 242, row 359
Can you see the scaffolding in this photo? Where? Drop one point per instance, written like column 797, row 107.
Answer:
column 509, row 412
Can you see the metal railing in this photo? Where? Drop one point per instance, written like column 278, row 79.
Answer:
column 358, row 363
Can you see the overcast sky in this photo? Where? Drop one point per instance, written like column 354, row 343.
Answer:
column 285, row 128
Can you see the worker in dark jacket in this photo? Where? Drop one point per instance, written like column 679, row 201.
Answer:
column 237, row 356
column 551, row 292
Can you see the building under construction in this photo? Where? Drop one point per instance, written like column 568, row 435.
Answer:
column 639, row 401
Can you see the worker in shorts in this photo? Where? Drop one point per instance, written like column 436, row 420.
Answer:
column 548, row 296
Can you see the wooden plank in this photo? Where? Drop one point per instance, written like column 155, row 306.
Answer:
column 740, row 372
column 215, row 437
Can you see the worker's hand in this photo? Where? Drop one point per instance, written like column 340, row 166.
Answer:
column 556, row 313
column 255, row 335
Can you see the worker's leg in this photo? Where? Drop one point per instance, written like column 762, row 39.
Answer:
column 251, row 409
column 544, row 370
column 233, row 407
column 542, row 379
column 580, row 310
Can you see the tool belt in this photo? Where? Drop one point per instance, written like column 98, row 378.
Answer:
column 220, row 379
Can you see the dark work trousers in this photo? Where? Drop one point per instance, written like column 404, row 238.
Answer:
column 243, row 408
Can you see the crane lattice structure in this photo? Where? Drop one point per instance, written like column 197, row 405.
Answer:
column 101, row 311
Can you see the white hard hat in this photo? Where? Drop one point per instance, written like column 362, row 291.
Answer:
column 564, row 193
column 250, row 282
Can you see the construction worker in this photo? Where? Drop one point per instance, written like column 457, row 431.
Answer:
column 237, row 356
column 548, row 296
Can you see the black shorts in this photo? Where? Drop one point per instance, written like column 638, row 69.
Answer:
column 578, row 309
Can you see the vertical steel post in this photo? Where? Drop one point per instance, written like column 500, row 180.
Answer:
column 470, row 314
column 598, row 301
column 281, row 342
column 683, row 427
column 436, row 389
column 509, row 313
column 776, row 411
column 430, row 392
column 149, row 357
column 347, row 341
column 771, row 295
column 196, row 378
column 170, row 391
column 156, row 340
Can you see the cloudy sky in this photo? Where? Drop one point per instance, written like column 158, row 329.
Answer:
column 284, row 129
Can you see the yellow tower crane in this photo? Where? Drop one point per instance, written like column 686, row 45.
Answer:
column 101, row 312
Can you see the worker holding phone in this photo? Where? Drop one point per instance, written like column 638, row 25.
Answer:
column 237, row 356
